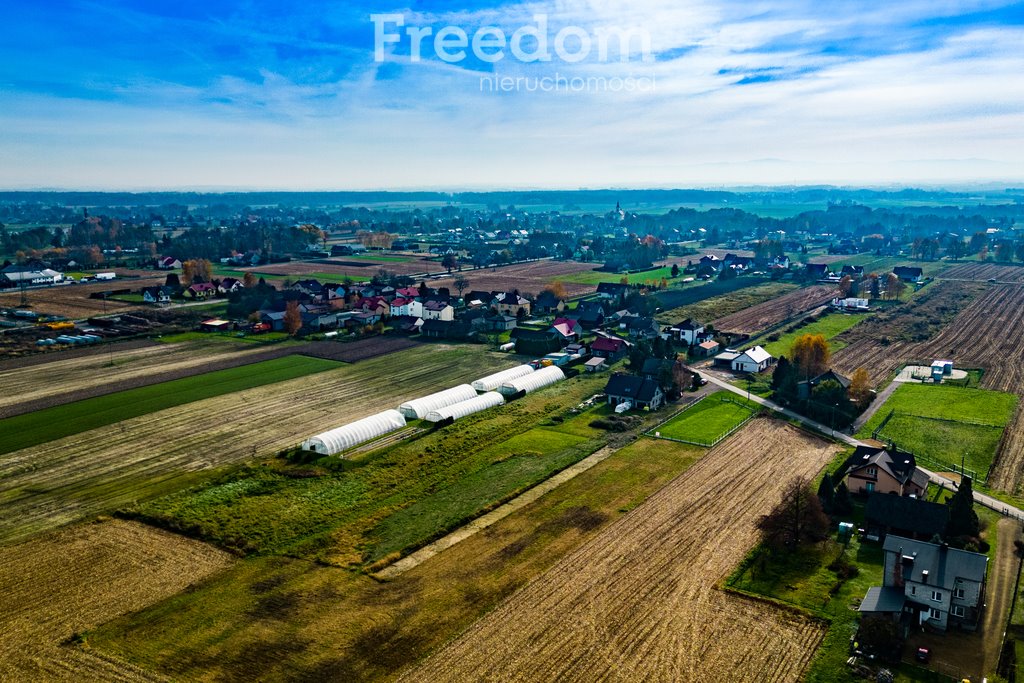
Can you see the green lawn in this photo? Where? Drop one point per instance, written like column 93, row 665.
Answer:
column 828, row 326
column 945, row 423
column 266, row 337
column 709, row 419
column 593, row 277
column 24, row 431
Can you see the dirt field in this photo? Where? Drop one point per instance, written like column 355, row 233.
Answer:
column 72, row 301
column 357, row 268
column 763, row 316
column 95, row 471
column 526, row 277
column 896, row 336
column 984, row 271
column 67, row 582
column 639, row 603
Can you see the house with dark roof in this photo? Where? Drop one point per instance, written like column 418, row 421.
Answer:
column 229, row 285
column 613, row 290
column 438, row 310
column 856, row 272
column 908, row 517
column 536, row 342
column 311, row 288
column 511, row 303
column 908, row 273
column 201, row 290
column 871, row 470
column 640, row 392
column 640, row 327
column 445, row 329
column 589, row 314
column 688, row 332
column 929, row 584
column 547, row 303
column 816, row 271
column 805, row 388
column 157, row 295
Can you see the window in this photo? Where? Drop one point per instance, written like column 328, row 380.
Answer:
column 872, row 471
column 913, row 590
column 958, row 611
column 934, row 614
column 936, row 596
column 958, row 593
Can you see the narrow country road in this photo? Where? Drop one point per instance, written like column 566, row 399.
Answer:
column 988, row 501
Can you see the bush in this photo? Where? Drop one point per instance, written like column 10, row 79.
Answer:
column 616, row 423
column 843, row 568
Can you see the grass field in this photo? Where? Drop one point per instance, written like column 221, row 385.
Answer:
column 946, row 423
column 386, row 501
column 265, row 338
column 593, row 277
column 343, row 625
column 50, row 424
column 709, row 419
column 828, row 326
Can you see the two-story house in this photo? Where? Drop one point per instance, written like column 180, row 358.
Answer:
column 871, row 470
column 927, row 583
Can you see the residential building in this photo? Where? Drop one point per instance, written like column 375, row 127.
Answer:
column 871, row 470
column 639, row 392
column 753, row 360
column 908, row 517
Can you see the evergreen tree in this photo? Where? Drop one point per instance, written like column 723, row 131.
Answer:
column 842, row 504
column 963, row 520
column 827, row 493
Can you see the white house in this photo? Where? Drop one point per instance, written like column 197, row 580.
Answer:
column 688, row 332
column 752, row 360
column 437, row 310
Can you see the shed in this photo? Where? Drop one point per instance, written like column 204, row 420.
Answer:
column 361, row 431
column 418, row 408
column 595, row 364
column 491, row 399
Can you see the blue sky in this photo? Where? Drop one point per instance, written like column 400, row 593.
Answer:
column 131, row 95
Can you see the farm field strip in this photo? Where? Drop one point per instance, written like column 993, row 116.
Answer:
column 102, row 469
column 72, row 301
column 529, row 277
column 776, row 311
column 67, row 582
column 828, row 326
column 982, row 272
column 639, row 602
column 60, row 377
column 38, row 427
column 705, row 302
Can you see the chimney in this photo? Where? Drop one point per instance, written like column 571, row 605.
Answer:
column 924, row 576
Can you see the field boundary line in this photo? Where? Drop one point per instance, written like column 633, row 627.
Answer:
column 477, row 525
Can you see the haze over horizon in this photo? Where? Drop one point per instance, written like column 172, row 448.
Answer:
column 264, row 96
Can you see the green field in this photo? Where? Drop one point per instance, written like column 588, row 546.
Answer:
column 710, row 419
column 828, row 326
column 358, row 510
column 593, row 277
column 722, row 305
column 945, row 423
column 220, row 337
column 24, row 431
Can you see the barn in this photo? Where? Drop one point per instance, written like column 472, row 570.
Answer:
column 538, row 380
column 361, row 431
column 492, row 382
column 491, row 399
column 417, row 409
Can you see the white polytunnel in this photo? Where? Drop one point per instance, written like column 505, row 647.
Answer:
column 492, row 382
column 537, row 380
column 418, row 408
column 360, row 431
column 491, row 399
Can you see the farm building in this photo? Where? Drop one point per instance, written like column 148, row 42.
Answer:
column 851, row 304
column 908, row 517
column 538, row 380
column 360, row 431
column 418, row 408
column 492, row 382
column 754, row 359
column 596, row 364
column 941, row 369
column 726, row 358
column 491, row 399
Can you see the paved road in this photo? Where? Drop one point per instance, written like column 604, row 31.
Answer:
column 875, row 406
column 988, row 501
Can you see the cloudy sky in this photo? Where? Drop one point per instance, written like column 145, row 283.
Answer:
column 117, row 94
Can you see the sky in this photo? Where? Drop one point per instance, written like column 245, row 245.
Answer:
column 131, row 95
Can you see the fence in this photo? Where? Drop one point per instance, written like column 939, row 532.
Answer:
column 653, row 432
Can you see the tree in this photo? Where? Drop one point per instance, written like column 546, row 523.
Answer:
column 675, row 270
column 963, row 520
column 860, row 388
column 827, row 493
column 292, row 318
column 196, row 270
column 811, row 355
column 461, row 283
column 784, row 380
column 249, row 280
column 842, row 505
column 172, row 280
column 797, row 519
column 450, row 262
column 874, row 286
column 558, row 290
column 846, row 286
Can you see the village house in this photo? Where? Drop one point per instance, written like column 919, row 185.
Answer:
column 706, row 349
column 438, row 310
column 753, row 360
column 511, row 303
column 611, row 348
column 688, row 332
column 310, row 288
column 229, row 285
column 613, row 290
column 639, row 392
column 201, row 290
column 547, row 303
column 871, row 470
column 806, row 388
column 157, row 295
column 169, row 263
column 908, row 273
column 568, row 330
column 908, row 517
column 929, row 584
column 589, row 314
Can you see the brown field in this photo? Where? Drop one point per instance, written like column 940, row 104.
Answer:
column 95, row 471
column 984, row 271
column 527, row 277
column 895, row 336
column 47, row 384
column 639, row 602
column 64, row 583
column 356, row 268
column 72, row 301
column 770, row 313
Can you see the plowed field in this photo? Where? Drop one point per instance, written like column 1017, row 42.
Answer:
column 983, row 272
column 67, row 582
column 762, row 316
column 72, row 301
column 527, row 277
column 639, row 603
